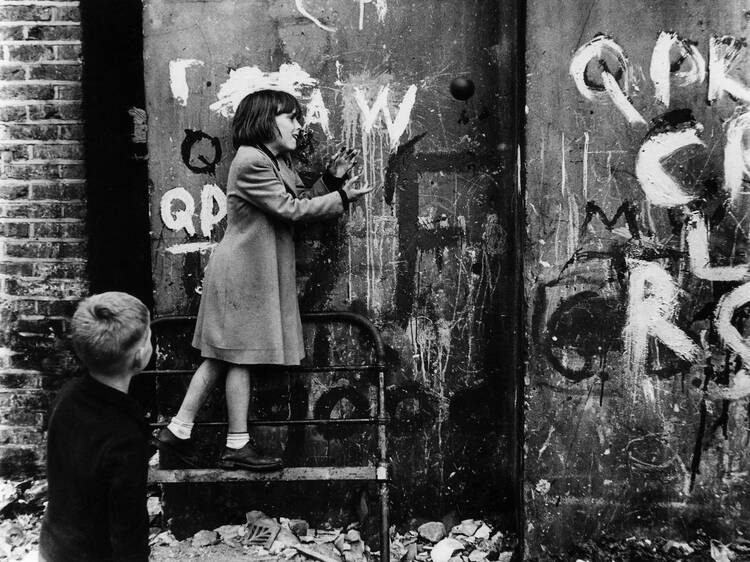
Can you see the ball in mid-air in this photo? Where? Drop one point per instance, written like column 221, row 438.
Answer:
column 462, row 88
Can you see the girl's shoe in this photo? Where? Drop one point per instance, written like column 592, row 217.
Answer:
column 248, row 458
column 183, row 449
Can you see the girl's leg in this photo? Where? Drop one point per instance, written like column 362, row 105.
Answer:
column 176, row 436
column 240, row 452
column 201, row 384
column 238, row 397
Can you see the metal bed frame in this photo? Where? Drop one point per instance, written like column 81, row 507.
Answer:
column 378, row 473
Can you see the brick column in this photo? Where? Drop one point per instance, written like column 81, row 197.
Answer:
column 42, row 211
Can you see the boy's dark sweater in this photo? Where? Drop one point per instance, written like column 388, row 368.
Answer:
column 97, row 465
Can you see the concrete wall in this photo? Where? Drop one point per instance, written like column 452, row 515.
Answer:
column 42, row 209
column 637, row 413
column 428, row 257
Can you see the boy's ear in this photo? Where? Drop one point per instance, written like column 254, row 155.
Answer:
column 142, row 355
column 138, row 356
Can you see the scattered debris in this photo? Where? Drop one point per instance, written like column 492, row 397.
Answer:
column 679, row 548
column 445, row 549
column 434, row 531
column 720, row 552
column 36, row 493
column 266, row 539
column 7, row 494
column 285, row 538
column 24, row 497
column 19, row 537
column 261, row 530
column 312, row 552
column 164, row 538
column 484, row 532
column 299, row 527
column 154, row 509
column 231, row 534
column 205, row 538
column 699, row 549
column 467, row 527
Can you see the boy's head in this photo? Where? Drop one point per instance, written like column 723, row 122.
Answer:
column 111, row 334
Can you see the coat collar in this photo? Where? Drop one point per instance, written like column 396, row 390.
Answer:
column 264, row 149
column 113, row 398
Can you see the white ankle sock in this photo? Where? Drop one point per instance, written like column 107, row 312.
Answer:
column 181, row 429
column 237, row 440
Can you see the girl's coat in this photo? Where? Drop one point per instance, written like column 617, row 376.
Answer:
column 249, row 312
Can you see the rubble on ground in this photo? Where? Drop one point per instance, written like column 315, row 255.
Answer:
column 22, row 505
column 700, row 549
column 264, row 538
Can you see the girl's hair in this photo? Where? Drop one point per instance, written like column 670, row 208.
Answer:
column 255, row 118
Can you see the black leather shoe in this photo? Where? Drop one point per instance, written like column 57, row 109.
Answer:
column 248, row 458
column 183, row 449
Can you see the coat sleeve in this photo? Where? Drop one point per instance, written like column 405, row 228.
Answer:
column 126, row 472
column 258, row 184
column 325, row 184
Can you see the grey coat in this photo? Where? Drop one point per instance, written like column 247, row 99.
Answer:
column 249, row 312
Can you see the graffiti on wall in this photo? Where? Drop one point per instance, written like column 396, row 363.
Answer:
column 635, row 303
column 411, row 254
column 368, row 106
column 381, row 8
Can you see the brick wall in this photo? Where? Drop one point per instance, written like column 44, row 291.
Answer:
column 42, row 209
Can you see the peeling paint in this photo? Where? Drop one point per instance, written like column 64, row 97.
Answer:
column 178, row 78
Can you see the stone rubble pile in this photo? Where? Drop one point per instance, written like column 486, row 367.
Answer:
column 21, row 507
column 263, row 537
column 266, row 538
column 471, row 540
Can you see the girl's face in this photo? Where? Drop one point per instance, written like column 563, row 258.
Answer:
column 288, row 129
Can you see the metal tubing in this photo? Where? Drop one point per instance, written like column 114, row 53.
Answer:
column 341, row 421
column 385, row 535
column 304, row 369
column 333, row 316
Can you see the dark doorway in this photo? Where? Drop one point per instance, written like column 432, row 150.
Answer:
column 116, row 180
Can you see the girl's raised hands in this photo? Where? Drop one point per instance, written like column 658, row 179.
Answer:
column 342, row 162
column 354, row 192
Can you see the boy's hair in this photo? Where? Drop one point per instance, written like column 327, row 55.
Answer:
column 105, row 327
column 255, row 119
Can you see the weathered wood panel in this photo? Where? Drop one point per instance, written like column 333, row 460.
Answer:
column 637, row 398
column 428, row 257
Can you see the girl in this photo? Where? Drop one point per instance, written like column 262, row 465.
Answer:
column 249, row 313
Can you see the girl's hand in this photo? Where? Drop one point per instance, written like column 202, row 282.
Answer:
column 353, row 192
column 342, row 162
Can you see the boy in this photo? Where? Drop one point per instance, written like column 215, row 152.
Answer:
column 97, row 448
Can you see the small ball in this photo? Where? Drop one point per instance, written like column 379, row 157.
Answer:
column 462, row 88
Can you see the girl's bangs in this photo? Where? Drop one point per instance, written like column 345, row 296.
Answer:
column 288, row 104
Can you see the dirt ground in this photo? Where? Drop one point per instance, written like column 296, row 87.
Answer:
column 275, row 539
